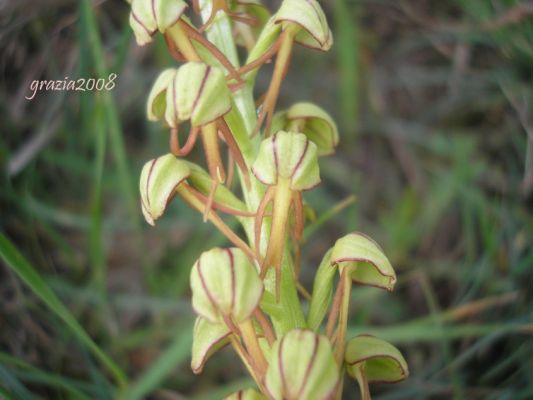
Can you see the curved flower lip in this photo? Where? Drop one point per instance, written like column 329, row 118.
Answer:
column 318, row 125
column 159, row 15
column 217, row 335
column 302, row 171
column 309, row 16
column 397, row 358
column 159, row 179
column 364, row 253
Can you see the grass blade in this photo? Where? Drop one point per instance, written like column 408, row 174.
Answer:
column 15, row 261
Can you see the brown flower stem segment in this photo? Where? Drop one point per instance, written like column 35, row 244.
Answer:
column 280, row 70
column 265, row 326
column 249, row 336
column 187, row 195
column 179, row 37
column 280, row 214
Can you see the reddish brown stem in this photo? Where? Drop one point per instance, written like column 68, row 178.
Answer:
column 234, row 149
column 265, row 326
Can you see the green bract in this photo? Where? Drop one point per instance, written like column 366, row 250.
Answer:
column 195, row 91
column 149, row 16
column 207, row 339
column 246, row 394
column 378, row 360
column 159, row 178
column 302, row 367
column 309, row 16
column 366, row 262
column 288, row 155
column 225, row 285
column 313, row 122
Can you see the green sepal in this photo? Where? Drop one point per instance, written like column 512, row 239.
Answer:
column 379, row 360
column 198, row 92
column 159, row 179
column 309, row 16
column 208, row 338
column 149, row 16
column 288, row 155
column 313, row 122
column 302, row 366
column 225, row 285
column 322, row 293
column 367, row 263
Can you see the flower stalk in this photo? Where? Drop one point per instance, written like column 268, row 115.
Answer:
column 247, row 295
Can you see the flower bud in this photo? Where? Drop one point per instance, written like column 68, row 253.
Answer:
column 159, row 179
column 366, row 262
column 377, row 360
column 313, row 122
column 302, row 366
column 246, row 394
column 314, row 31
column 207, row 339
column 288, row 155
column 149, row 16
column 225, row 285
column 197, row 92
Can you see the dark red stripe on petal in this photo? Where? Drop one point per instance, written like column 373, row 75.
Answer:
column 310, row 365
column 148, row 179
column 300, row 160
column 232, row 272
column 152, row 3
column 204, row 285
column 281, row 368
column 174, row 101
column 275, row 151
column 136, row 18
column 201, row 89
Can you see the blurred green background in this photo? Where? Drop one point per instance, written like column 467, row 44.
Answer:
column 434, row 101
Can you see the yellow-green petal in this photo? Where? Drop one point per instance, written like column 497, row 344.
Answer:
column 225, row 284
column 159, row 178
column 367, row 263
column 208, row 338
column 302, row 366
column 380, row 361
